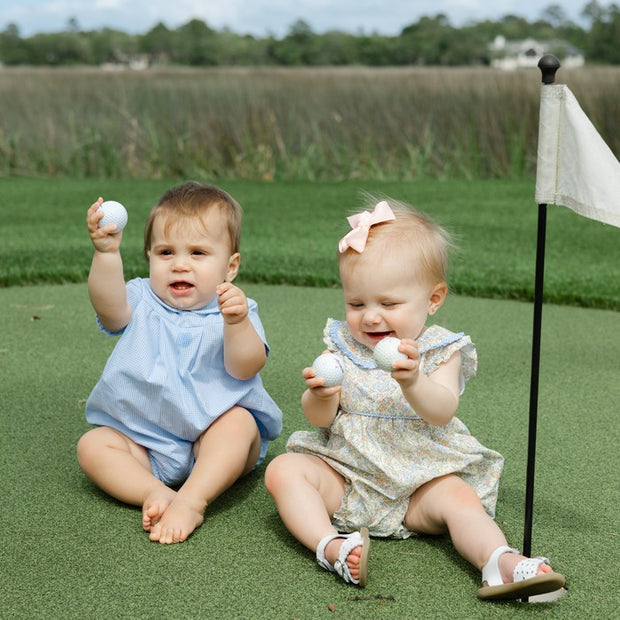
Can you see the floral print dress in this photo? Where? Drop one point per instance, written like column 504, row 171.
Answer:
column 382, row 448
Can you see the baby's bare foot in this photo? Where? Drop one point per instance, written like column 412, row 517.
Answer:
column 155, row 505
column 352, row 561
column 179, row 520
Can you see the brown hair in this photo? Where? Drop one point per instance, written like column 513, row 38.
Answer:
column 192, row 199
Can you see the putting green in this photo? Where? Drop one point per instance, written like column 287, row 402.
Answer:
column 69, row 551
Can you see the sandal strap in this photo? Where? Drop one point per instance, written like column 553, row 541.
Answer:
column 528, row 568
column 320, row 552
column 490, row 572
column 352, row 540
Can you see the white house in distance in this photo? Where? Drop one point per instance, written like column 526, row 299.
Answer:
column 510, row 55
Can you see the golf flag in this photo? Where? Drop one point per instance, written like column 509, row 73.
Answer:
column 575, row 167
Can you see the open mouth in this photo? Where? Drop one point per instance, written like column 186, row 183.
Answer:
column 181, row 287
column 376, row 336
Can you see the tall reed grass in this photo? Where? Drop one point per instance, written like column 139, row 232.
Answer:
column 310, row 124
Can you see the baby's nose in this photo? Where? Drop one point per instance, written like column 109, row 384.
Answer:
column 180, row 263
column 372, row 317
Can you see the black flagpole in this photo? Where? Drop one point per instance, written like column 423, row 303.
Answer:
column 548, row 65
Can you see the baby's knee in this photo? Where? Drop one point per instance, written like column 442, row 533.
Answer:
column 464, row 494
column 85, row 446
column 238, row 421
column 92, row 443
column 277, row 472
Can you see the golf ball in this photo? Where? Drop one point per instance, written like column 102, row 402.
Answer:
column 113, row 213
column 328, row 367
column 386, row 351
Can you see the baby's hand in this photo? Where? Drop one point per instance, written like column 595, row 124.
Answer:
column 104, row 239
column 232, row 302
column 407, row 371
column 315, row 384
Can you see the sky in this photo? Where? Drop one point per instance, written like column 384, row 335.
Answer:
column 265, row 17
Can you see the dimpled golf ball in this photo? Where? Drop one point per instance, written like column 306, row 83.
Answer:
column 113, row 213
column 387, row 352
column 328, row 367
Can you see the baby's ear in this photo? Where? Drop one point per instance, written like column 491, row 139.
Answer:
column 437, row 297
column 233, row 267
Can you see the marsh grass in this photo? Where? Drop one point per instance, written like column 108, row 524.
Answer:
column 310, row 124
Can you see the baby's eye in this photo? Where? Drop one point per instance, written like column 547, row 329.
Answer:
column 355, row 304
column 388, row 304
column 165, row 252
column 198, row 253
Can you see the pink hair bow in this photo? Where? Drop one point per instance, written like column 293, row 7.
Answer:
column 361, row 223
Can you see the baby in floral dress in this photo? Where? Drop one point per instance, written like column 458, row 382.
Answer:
column 388, row 457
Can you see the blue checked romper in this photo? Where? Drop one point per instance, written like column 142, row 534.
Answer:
column 165, row 382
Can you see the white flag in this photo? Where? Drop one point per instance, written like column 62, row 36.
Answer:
column 575, row 167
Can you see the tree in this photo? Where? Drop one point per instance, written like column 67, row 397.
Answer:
column 73, row 25
column 158, row 41
column 428, row 40
column 64, row 48
column 300, row 30
column 335, row 48
column 296, row 48
column 593, row 11
column 602, row 42
column 377, row 51
column 195, row 44
column 12, row 48
column 110, row 45
column 555, row 15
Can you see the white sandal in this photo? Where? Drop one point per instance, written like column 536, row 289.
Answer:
column 526, row 580
column 355, row 539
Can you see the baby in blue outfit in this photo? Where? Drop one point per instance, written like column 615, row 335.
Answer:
column 180, row 410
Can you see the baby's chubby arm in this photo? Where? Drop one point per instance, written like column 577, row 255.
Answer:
column 106, row 281
column 319, row 403
column 244, row 350
column 435, row 397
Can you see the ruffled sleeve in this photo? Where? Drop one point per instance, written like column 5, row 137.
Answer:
column 327, row 334
column 438, row 345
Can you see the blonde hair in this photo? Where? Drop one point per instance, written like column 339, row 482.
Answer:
column 192, row 200
column 421, row 242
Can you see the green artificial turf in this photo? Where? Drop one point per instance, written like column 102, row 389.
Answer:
column 68, row 551
column 291, row 230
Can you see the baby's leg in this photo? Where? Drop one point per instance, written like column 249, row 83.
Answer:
column 449, row 504
column 122, row 468
column 227, row 450
column 307, row 492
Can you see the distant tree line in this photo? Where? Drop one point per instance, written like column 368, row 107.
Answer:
column 429, row 41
